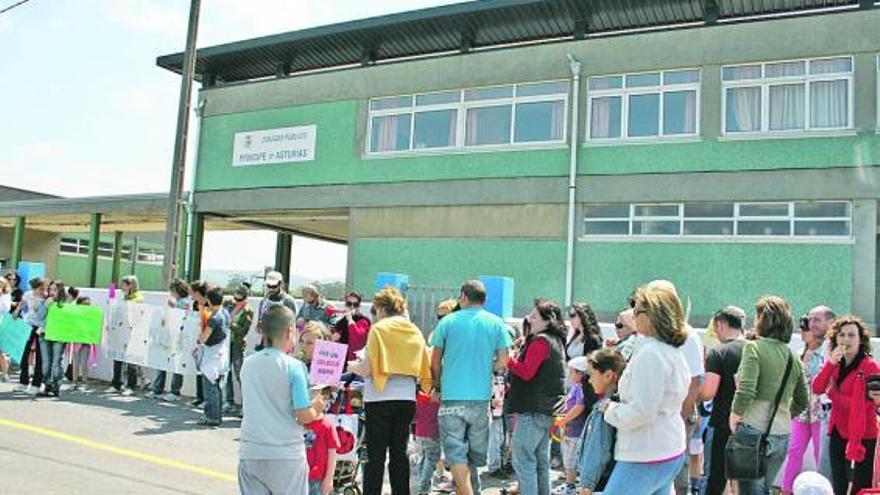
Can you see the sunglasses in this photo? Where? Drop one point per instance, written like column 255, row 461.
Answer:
column 352, row 304
column 572, row 315
column 618, row 325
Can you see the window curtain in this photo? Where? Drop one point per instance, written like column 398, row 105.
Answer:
column 557, row 123
column 745, row 104
column 829, row 104
column 386, row 134
column 600, row 121
column 786, row 107
column 690, row 112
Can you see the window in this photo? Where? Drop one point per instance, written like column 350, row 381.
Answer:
column 647, row 105
column 725, row 219
column 69, row 245
column 790, row 96
column 532, row 113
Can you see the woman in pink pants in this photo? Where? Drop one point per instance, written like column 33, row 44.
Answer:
column 807, row 427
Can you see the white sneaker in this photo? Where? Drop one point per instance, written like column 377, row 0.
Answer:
column 112, row 390
column 153, row 395
column 65, row 387
column 19, row 388
column 127, row 392
column 169, row 397
column 32, row 390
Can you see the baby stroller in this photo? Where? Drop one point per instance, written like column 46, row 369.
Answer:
column 346, row 414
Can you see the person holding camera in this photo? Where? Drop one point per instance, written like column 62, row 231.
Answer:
column 853, row 425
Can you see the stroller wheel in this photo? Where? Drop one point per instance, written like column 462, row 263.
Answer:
column 351, row 490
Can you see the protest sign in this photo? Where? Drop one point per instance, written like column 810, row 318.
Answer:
column 74, row 323
column 328, row 359
column 14, row 335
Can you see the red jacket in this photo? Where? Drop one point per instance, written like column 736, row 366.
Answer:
column 850, row 393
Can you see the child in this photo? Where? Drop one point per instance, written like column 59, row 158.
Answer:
column 574, row 421
column 214, row 345
column 27, row 309
column 427, row 433
column 241, row 316
column 275, row 402
column 322, row 442
column 496, row 426
column 596, row 453
column 81, row 352
column 312, row 332
column 53, row 352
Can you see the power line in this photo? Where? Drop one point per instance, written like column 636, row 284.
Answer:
column 14, row 6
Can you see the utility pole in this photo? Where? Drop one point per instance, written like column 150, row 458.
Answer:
column 176, row 199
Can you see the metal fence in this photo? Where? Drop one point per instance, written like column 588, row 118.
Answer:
column 422, row 301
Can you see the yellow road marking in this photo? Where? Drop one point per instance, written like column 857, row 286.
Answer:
column 118, row 450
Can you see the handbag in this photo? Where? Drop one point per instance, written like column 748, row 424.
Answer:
column 745, row 455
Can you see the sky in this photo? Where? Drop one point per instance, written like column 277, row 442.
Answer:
column 87, row 112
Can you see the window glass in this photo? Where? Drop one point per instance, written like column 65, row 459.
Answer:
column 708, row 227
column 488, row 125
column 785, row 69
column 831, row 65
column 642, row 80
column 539, row 89
column 708, row 210
column 656, row 210
column 821, row 228
column 434, row 129
column 644, row 115
column 743, row 109
column 609, row 82
column 540, row 121
column 740, row 73
column 656, row 227
column 681, row 77
column 829, row 104
column 488, row 93
column 821, row 209
column 763, row 209
column 753, row 227
column 679, row 112
column 393, row 102
column 443, row 97
column 605, row 117
column 786, row 107
column 390, row 133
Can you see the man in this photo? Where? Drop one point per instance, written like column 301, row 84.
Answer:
column 719, row 387
column 275, row 295
column 468, row 346
column 692, row 349
column 625, row 327
column 820, row 319
column 275, row 397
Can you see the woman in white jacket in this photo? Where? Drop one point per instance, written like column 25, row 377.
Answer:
column 650, row 447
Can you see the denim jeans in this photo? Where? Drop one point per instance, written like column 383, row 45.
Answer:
column 531, row 453
column 234, row 372
column 430, row 455
column 824, row 466
column 464, row 435
column 53, row 353
column 629, row 478
column 213, row 400
column 777, row 449
column 159, row 382
column 496, row 442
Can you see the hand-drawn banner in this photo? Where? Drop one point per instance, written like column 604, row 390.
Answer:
column 157, row 337
column 74, row 323
column 14, row 335
column 328, row 359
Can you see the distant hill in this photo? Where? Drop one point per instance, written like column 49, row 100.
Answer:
column 222, row 277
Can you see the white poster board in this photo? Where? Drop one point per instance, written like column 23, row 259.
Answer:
column 283, row 145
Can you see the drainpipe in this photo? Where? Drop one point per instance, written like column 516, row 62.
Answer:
column 575, row 67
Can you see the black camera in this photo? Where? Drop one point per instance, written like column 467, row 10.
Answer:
column 804, row 323
column 872, row 383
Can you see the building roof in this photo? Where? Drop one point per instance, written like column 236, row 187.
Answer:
column 473, row 25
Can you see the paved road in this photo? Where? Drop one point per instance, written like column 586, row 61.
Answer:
column 95, row 443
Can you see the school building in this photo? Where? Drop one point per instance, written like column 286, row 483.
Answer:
column 579, row 147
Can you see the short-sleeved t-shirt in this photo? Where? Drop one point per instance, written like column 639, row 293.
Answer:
column 723, row 360
column 273, row 386
column 320, row 438
column 469, row 339
column 575, row 397
column 693, row 353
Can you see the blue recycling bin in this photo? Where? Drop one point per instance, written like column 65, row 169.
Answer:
column 28, row 270
column 499, row 295
column 397, row 280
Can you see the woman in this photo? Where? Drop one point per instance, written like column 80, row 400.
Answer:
column 650, row 447
column 314, row 306
column 760, row 377
column 536, row 388
column 178, row 298
column 586, row 336
column 396, row 358
column 807, row 427
column 53, row 351
column 352, row 330
column 853, row 426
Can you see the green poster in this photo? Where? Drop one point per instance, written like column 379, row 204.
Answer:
column 74, row 323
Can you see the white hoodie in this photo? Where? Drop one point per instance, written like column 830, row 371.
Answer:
column 648, row 416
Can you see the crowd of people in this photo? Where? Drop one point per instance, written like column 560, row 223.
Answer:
column 656, row 409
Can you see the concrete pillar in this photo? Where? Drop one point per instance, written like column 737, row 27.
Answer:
column 864, row 290
column 117, row 258
column 17, row 243
column 195, row 246
column 282, row 255
column 94, row 240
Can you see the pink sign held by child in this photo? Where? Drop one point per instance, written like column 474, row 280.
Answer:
column 328, row 359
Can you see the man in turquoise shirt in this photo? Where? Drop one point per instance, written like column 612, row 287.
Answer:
column 468, row 346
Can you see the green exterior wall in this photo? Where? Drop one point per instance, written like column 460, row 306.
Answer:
column 73, row 269
column 710, row 274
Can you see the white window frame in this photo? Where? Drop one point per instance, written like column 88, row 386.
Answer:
column 82, row 250
column 735, row 236
column 462, row 107
column 624, row 93
column 765, row 83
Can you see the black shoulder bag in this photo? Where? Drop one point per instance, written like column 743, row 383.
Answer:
column 745, row 455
